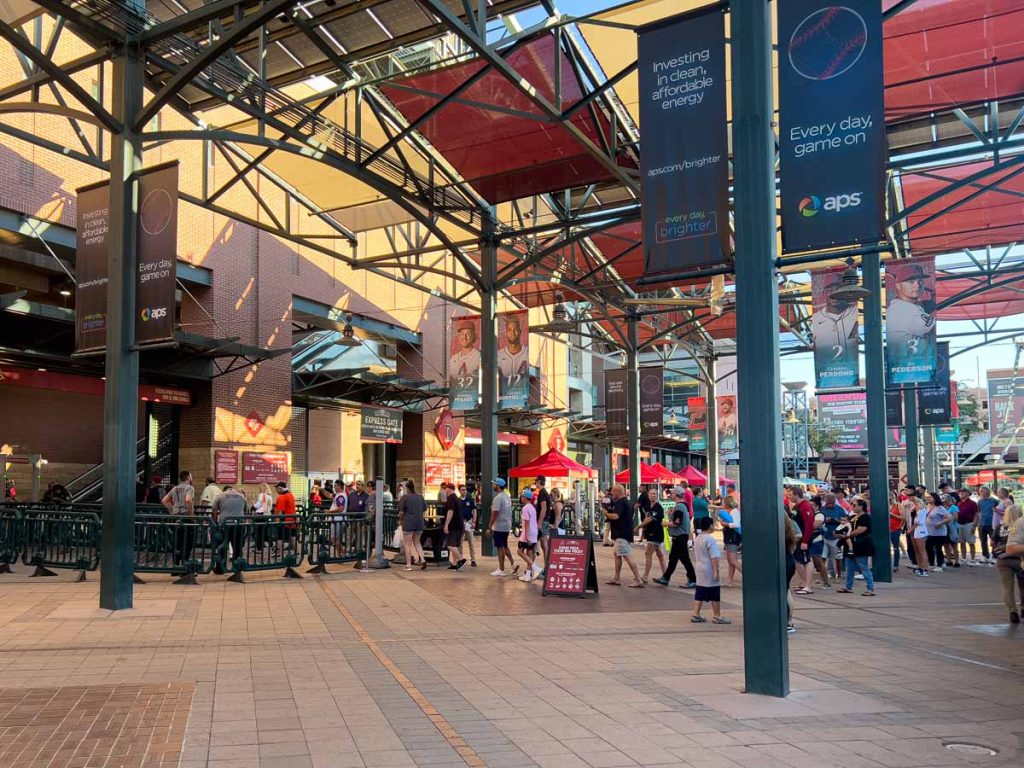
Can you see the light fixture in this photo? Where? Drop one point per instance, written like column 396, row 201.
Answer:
column 348, row 334
column 65, row 290
column 559, row 314
column 850, row 289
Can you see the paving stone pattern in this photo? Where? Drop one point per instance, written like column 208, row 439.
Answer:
column 431, row 668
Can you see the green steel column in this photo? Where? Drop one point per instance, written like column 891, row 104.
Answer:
column 878, row 456
column 931, row 476
column 913, row 437
column 488, row 379
column 712, row 403
column 121, row 395
column 765, row 645
column 633, row 404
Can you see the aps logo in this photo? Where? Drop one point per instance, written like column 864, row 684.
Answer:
column 812, row 205
column 153, row 313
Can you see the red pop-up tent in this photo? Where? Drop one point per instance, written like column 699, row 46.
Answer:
column 552, row 464
column 667, row 475
column 694, row 476
column 648, row 475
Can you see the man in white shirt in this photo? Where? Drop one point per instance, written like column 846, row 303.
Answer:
column 834, row 328
column 466, row 360
column 910, row 328
column 210, row 493
column 513, row 357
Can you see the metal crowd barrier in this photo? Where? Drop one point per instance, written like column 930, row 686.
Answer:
column 184, row 545
column 390, row 526
column 262, row 543
column 335, row 539
column 10, row 539
column 59, row 539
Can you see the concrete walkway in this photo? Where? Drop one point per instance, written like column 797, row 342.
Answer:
column 443, row 669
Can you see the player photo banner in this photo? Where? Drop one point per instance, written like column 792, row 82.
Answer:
column 834, row 326
column 832, row 123
column 464, row 364
column 514, row 359
column 934, row 401
column 910, row 351
column 728, row 426
column 681, row 64
column 698, row 429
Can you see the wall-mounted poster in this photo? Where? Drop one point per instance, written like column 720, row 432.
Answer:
column 835, row 329
column 514, row 359
column 464, row 363
column 910, row 320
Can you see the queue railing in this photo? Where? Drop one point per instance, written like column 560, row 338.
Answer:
column 262, row 543
column 183, row 545
column 58, row 539
column 10, row 538
column 333, row 539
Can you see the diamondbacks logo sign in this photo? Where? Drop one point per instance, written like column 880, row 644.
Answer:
column 446, row 429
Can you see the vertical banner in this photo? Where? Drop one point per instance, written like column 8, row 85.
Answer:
column 698, row 429
column 158, row 252
column 684, row 184
column 847, row 413
column 93, row 221
column 514, row 359
column 835, row 329
column 1005, row 410
column 894, row 408
column 832, row 142
column 910, row 320
column 615, row 401
column 652, row 401
column 157, row 244
column 464, row 364
column 934, row 400
column 728, row 425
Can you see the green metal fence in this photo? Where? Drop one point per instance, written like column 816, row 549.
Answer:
column 262, row 543
column 336, row 538
column 58, row 539
column 10, row 539
column 185, row 545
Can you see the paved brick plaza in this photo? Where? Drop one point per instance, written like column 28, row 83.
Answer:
column 442, row 669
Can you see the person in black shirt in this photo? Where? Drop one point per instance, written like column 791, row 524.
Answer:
column 620, row 517
column 653, row 534
column 546, row 520
column 156, row 491
column 454, row 529
column 678, row 530
column 861, row 548
column 467, row 506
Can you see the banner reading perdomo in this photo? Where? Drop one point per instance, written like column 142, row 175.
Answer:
column 832, row 123
column 834, row 326
column 681, row 63
column 910, row 320
column 514, row 359
column 464, row 363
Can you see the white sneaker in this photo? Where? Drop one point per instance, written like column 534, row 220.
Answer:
column 537, row 569
column 859, row 576
column 498, row 572
column 970, row 563
column 938, row 569
column 528, row 576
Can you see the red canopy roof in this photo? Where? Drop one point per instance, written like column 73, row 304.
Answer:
column 552, row 464
column 976, row 300
column 666, row 473
column 693, row 475
column 648, row 475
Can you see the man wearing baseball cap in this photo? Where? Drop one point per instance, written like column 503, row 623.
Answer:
column 910, row 327
column 528, row 535
column 500, row 526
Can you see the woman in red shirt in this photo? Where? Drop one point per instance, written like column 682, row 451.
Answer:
column 896, row 528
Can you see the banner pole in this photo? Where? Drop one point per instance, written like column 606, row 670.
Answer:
column 377, row 560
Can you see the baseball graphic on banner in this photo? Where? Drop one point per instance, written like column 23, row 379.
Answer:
column 835, row 329
column 514, row 359
column 464, row 363
column 157, row 209
column 828, row 42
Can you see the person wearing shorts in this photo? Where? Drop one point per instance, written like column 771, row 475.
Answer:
column 706, row 555
column 620, row 516
column 834, row 515
column 528, row 536
column 500, row 527
column 967, row 516
column 653, row 535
